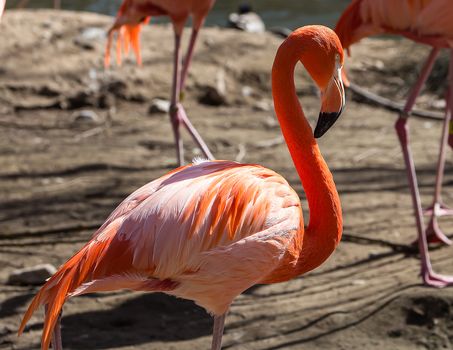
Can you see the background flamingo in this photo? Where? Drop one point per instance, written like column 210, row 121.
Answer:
column 210, row 230
column 131, row 16
column 428, row 22
column 2, row 7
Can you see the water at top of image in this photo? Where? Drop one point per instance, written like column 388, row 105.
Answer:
column 284, row 13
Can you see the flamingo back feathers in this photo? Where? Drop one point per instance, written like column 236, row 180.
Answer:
column 419, row 20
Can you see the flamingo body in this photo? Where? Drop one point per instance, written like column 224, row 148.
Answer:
column 205, row 232
column 208, row 231
column 425, row 21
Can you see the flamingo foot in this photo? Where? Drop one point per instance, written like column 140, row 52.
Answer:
column 435, row 280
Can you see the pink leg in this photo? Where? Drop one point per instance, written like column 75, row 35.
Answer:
column 56, row 334
column 450, row 134
column 56, row 4
column 174, row 115
column 194, row 133
column 217, row 333
column 178, row 115
column 438, row 208
column 188, row 60
column 429, row 276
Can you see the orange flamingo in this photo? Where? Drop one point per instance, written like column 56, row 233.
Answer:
column 427, row 22
column 132, row 14
column 210, row 230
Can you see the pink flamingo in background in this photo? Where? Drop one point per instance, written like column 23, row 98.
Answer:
column 210, row 230
column 132, row 14
column 428, row 22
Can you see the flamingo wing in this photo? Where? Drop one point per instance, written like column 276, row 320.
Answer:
column 204, row 232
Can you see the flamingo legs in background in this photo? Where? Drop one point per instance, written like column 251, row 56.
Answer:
column 178, row 116
column 438, row 208
column 428, row 22
column 210, row 230
column 131, row 15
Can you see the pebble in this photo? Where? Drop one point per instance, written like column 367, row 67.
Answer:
column 262, row 105
column 34, row 275
column 86, row 116
column 215, row 95
column 88, row 38
column 159, row 105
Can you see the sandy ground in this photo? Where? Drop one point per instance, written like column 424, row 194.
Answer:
column 61, row 176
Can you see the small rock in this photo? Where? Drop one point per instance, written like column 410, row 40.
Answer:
column 34, row 275
column 379, row 65
column 86, row 116
column 159, row 105
column 212, row 97
column 88, row 38
column 247, row 91
column 262, row 105
column 215, row 95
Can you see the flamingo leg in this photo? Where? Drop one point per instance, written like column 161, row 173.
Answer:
column 56, row 334
column 178, row 115
column 187, row 61
column 217, row 333
column 429, row 276
column 194, row 133
column 174, row 103
column 56, row 4
column 439, row 208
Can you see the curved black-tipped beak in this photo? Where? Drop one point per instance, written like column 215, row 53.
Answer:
column 325, row 121
column 332, row 104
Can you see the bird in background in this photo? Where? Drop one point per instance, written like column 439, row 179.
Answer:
column 210, row 230
column 23, row 3
column 131, row 16
column 427, row 22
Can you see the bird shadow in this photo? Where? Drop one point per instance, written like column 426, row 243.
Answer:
column 147, row 318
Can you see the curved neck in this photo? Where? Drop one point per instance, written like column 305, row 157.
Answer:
column 323, row 232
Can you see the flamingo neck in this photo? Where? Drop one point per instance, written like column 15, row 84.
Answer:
column 323, row 232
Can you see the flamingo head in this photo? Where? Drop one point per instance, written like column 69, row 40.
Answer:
column 323, row 57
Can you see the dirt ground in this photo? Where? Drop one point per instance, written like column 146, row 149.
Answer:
column 62, row 174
